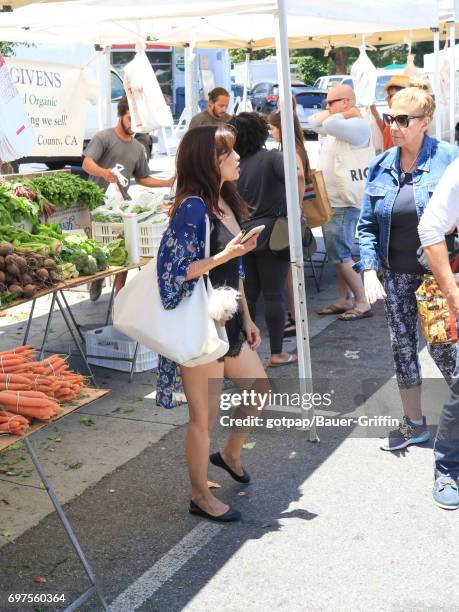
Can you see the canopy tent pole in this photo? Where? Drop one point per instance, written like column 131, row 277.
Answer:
column 291, row 187
column 452, row 81
column 190, row 84
column 108, row 87
column 100, row 80
column 436, row 41
column 243, row 104
column 227, row 64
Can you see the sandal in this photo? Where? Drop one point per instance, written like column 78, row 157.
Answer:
column 290, row 328
column 291, row 359
column 354, row 314
column 332, row 309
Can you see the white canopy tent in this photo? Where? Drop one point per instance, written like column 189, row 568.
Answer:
column 236, row 23
column 230, row 23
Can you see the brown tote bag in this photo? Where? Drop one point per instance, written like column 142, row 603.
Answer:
column 317, row 210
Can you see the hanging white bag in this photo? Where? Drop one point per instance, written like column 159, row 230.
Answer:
column 139, row 313
column 364, row 76
column 147, row 106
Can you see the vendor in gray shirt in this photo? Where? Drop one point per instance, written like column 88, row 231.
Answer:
column 118, row 146
column 215, row 114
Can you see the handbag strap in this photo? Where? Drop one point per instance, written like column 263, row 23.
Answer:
column 207, row 247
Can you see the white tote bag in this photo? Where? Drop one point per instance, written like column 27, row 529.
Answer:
column 149, row 109
column 186, row 334
column 351, row 171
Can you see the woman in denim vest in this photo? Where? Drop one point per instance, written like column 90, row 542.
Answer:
column 400, row 183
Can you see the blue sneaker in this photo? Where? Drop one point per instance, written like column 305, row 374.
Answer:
column 446, row 494
column 408, row 433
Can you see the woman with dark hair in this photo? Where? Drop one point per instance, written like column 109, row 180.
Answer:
column 207, row 167
column 275, row 126
column 262, row 185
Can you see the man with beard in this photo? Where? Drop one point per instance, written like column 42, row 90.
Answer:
column 118, row 146
column 215, row 114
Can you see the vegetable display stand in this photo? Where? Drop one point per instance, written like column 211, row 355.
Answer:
column 87, row 397
column 59, row 300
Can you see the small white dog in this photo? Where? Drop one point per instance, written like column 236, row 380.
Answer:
column 223, row 303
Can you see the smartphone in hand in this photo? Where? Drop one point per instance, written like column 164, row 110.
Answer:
column 254, row 231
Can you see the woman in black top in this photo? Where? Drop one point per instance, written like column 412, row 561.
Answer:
column 262, row 185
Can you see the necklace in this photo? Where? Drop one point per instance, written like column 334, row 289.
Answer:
column 409, row 170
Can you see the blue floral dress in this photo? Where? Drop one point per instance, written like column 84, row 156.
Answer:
column 183, row 242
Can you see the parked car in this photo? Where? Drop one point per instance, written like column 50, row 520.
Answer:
column 308, row 103
column 328, row 81
column 264, row 96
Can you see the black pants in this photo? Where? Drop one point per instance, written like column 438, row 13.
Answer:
column 267, row 273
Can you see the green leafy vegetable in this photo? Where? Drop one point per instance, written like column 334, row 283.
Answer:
column 64, row 189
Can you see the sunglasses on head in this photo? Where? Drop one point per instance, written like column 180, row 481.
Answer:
column 402, row 121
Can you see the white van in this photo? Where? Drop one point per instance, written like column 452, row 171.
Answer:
column 328, row 81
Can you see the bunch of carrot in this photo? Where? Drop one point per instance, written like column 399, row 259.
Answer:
column 13, row 423
column 31, row 389
column 30, row 404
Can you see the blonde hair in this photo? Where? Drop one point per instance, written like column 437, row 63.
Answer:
column 417, row 92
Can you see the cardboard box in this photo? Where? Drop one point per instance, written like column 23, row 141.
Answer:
column 75, row 217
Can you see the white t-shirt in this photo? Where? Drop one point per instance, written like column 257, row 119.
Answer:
column 442, row 211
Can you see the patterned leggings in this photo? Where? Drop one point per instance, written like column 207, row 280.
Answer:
column 402, row 318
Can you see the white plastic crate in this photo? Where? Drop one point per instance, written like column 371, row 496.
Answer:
column 108, row 342
column 150, row 235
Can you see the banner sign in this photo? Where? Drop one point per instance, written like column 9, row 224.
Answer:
column 55, row 98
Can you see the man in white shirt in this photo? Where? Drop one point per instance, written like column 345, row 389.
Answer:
column 440, row 216
column 345, row 130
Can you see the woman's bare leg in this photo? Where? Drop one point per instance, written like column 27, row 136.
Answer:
column 247, row 371
column 197, row 441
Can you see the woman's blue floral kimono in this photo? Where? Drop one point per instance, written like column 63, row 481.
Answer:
column 183, row 242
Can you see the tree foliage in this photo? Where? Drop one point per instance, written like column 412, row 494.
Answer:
column 313, row 63
column 7, row 48
column 309, row 69
column 238, row 55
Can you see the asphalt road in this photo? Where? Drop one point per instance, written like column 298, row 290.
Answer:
column 337, row 525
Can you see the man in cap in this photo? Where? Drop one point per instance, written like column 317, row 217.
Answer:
column 396, row 83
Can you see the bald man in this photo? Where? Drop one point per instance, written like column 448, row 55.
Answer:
column 342, row 124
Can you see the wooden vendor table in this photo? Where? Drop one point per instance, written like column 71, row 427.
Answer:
column 86, row 397
column 58, row 297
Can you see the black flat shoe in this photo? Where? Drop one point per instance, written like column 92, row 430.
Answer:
column 230, row 516
column 216, row 459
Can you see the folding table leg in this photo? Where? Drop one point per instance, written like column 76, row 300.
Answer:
column 52, row 495
column 110, row 302
column 48, row 325
column 29, row 323
column 77, row 327
column 131, row 374
column 75, row 339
